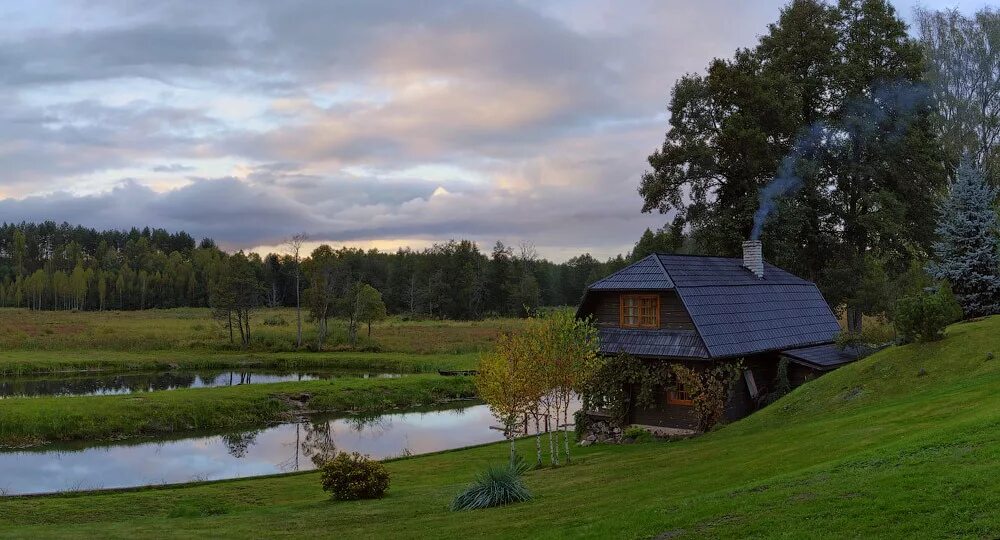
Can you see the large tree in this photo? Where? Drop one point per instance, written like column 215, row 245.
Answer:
column 963, row 71
column 820, row 135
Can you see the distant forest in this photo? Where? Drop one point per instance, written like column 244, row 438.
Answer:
column 60, row 266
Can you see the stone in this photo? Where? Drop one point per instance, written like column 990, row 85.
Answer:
column 590, row 438
column 922, row 372
column 586, row 442
column 989, row 355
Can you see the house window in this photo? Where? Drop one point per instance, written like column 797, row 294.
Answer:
column 678, row 395
column 640, row 311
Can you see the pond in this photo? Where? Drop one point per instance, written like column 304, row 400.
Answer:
column 107, row 383
column 277, row 449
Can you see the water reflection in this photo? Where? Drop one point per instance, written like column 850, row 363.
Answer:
column 282, row 448
column 90, row 384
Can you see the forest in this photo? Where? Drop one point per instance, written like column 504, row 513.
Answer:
column 60, row 266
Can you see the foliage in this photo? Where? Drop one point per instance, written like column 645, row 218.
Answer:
column 506, row 382
column 968, row 246
column 537, row 372
column 924, row 317
column 368, row 307
column 609, row 389
column 825, row 122
column 963, row 71
column 710, row 389
column 637, row 434
column 350, row 477
column 498, row 485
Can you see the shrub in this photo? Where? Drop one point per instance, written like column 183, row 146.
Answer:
column 349, row 477
column 498, row 485
column 923, row 317
column 637, row 434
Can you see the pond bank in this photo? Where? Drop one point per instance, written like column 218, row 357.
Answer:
column 104, row 383
column 28, row 422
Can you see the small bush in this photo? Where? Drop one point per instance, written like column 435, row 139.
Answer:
column 637, row 434
column 923, row 317
column 349, row 477
column 498, row 485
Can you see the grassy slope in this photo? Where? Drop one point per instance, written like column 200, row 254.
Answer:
column 34, row 420
column 874, row 449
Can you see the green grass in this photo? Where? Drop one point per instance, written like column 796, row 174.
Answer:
column 26, row 421
column 39, row 362
column 876, row 449
column 193, row 329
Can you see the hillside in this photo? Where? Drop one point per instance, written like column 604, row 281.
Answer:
column 903, row 444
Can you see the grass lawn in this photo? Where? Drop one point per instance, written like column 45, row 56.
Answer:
column 904, row 444
column 48, row 419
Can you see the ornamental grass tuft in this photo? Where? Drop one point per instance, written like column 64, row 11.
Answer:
column 498, row 485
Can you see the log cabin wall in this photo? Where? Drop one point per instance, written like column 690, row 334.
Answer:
column 605, row 306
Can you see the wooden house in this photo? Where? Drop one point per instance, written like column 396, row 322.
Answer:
column 701, row 310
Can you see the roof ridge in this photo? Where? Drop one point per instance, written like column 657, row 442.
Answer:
column 664, row 268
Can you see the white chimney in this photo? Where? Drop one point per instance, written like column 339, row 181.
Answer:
column 753, row 259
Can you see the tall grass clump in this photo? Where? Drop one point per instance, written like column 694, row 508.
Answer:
column 498, row 485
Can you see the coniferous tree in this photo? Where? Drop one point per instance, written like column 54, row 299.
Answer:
column 968, row 250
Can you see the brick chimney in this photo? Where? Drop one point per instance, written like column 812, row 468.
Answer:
column 753, row 259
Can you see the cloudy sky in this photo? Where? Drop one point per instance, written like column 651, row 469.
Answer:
column 367, row 123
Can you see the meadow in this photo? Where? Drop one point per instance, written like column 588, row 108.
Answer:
column 903, row 444
column 40, row 341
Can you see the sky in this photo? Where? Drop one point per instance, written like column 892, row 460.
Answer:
column 370, row 124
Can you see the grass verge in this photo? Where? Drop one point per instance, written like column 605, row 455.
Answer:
column 27, row 421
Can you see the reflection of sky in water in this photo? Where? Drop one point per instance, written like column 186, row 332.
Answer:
column 273, row 450
column 125, row 383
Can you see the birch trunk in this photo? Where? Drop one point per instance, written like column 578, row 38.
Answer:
column 538, row 442
column 566, row 428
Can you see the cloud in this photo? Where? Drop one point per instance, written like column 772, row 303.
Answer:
column 252, row 120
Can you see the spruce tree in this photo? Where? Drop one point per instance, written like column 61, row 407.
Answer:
column 968, row 248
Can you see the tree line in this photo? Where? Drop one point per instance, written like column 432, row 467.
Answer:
column 59, row 266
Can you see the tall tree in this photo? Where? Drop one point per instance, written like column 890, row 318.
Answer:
column 819, row 139
column 968, row 252
column 963, row 71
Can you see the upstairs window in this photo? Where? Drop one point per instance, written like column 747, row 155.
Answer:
column 640, row 311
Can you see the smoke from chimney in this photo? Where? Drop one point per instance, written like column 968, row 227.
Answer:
column 753, row 258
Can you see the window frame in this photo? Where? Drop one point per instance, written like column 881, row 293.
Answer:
column 672, row 398
column 639, row 299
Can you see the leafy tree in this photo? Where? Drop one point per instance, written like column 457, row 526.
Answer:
column 368, row 306
column 968, row 249
column 963, row 71
column 819, row 139
column 504, row 382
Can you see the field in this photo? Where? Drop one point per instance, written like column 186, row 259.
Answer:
column 903, row 444
column 193, row 329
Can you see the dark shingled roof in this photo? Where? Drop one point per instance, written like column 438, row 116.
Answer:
column 646, row 274
column 665, row 343
column 735, row 312
column 823, row 356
